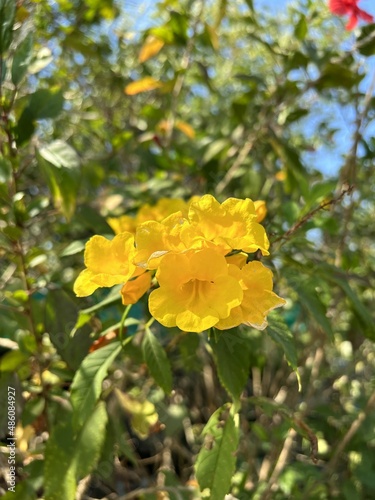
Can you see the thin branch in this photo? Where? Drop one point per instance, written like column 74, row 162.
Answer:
column 310, row 215
column 280, row 464
column 177, row 490
column 348, row 172
column 350, row 434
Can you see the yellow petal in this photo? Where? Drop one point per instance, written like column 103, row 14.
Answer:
column 108, row 262
column 122, row 224
column 195, row 292
column 133, row 290
column 258, row 297
column 261, row 209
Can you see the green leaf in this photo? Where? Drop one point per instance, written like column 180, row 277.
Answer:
column 366, row 48
column 60, row 164
column 7, row 15
column 335, row 75
column 73, row 248
column 300, row 31
column 12, row 360
column 59, row 475
column 87, row 383
column 279, row 331
column 5, row 170
column 157, row 361
column 113, row 296
column 363, row 313
column 311, row 302
column 60, row 318
column 232, row 358
column 69, row 456
column 21, row 59
column 216, row 460
column 90, row 441
column 45, row 103
column 3, row 71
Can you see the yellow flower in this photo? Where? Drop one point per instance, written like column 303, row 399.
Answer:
column 133, row 290
column 195, row 292
column 230, row 225
column 237, row 259
column 108, row 263
column 122, row 224
column 154, row 239
column 260, row 209
column 163, row 208
column 258, row 297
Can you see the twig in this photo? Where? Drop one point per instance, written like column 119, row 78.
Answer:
column 350, row 434
column 346, row 191
column 185, row 61
column 245, row 150
column 177, row 490
column 348, row 172
column 280, row 464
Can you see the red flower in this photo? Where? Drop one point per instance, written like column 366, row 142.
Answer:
column 349, row 7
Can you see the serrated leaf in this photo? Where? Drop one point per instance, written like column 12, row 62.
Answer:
column 87, row 383
column 146, row 84
column 90, row 441
column 232, row 358
column 59, row 475
column 157, row 361
column 279, row 331
column 216, row 461
column 70, row 456
column 21, row 59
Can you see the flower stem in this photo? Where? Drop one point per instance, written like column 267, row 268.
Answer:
column 122, row 324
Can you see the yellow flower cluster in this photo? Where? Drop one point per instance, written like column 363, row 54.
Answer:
column 197, row 252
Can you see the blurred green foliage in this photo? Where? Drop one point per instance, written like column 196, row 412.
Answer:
column 215, row 97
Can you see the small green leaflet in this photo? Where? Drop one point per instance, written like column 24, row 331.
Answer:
column 157, row 361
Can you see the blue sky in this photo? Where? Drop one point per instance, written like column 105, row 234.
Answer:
column 327, row 159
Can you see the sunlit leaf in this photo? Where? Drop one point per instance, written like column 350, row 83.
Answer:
column 60, row 164
column 150, row 48
column 87, row 383
column 216, row 460
column 144, row 85
column 185, row 128
column 21, row 59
